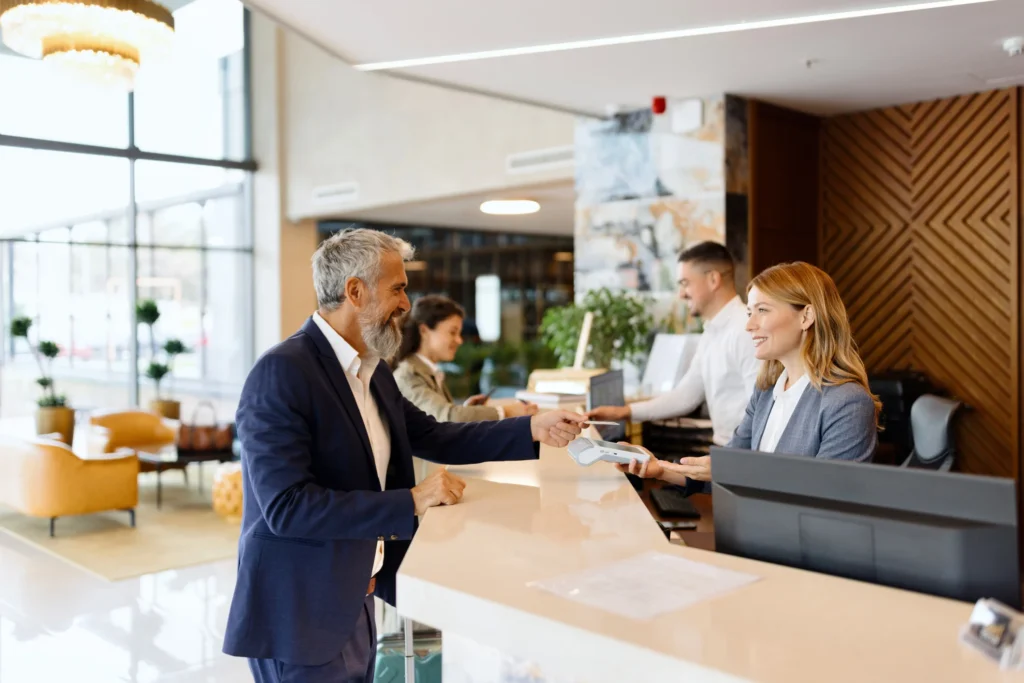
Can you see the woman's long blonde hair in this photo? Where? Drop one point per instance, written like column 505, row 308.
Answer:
column 829, row 352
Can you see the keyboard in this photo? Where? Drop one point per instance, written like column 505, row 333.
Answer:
column 672, row 503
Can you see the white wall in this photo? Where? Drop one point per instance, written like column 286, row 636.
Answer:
column 400, row 141
column 316, row 121
column 282, row 275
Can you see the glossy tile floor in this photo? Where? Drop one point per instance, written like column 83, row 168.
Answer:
column 59, row 623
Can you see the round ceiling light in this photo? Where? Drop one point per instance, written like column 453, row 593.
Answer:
column 510, row 207
column 101, row 40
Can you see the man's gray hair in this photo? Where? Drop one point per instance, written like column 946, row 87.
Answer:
column 353, row 252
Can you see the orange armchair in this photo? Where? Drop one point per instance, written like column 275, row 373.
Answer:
column 44, row 478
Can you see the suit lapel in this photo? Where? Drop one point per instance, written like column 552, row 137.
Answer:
column 332, row 368
column 764, row 409
column 423, row 371
column 794, row 433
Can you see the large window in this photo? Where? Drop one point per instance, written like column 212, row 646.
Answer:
column 96, row 216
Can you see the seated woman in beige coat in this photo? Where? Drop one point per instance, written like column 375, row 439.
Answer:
column 432, row 335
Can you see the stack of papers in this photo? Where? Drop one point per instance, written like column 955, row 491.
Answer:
column 646, row 586
column 549, row 400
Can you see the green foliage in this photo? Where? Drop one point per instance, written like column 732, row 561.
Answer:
column 503, row 363
column 620, row 331
column 48, row 349
column 52, row 401
column 43, row 349
column 539, row 355
column 173, row 347
column 156, row 372
column 147, row 312
column 20, row 327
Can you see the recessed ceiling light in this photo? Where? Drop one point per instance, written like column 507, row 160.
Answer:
column 510, row 207
column 663, row 35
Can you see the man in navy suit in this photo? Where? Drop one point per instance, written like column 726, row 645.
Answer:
column 330, row 500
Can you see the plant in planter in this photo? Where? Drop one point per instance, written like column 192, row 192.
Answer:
column 619, row 332
column 53, row 415
column 166, row 407
column 147, row 313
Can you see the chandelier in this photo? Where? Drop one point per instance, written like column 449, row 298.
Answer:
column 100, row 40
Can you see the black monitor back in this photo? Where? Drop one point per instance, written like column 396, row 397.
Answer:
column 942, row 533
column 608, row 389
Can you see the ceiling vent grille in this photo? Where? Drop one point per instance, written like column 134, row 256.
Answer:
column 538, row 160
column 340, row 193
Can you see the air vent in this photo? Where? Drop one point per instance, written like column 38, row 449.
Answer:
column 341, row 193
column 538, row 160
column 1005, row 81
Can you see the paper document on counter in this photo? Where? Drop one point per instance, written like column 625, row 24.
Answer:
column 646, row 586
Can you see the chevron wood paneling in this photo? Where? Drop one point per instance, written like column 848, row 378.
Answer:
column 919, row 227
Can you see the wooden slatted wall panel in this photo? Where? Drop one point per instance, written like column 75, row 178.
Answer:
column 919, row 228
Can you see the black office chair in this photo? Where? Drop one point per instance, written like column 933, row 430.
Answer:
column 931, row 421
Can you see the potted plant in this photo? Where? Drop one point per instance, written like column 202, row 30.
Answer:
column 147, row 313
column 53, row 416
column 619, row 332
column 166, row 407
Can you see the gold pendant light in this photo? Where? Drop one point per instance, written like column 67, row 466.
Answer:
column 99, row 40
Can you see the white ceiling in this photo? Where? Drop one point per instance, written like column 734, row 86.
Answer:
column 858, row 63
column 554, row 218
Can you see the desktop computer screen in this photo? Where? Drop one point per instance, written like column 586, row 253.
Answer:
column 608, row 390
column 946, row 534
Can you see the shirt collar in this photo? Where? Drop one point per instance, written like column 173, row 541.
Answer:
column 723, row 317
column 796, row 390
column 347, row 356
column 426, row 361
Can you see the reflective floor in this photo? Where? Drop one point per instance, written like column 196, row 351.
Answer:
column 59, row 623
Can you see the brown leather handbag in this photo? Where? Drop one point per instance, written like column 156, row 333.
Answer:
column 205, row 437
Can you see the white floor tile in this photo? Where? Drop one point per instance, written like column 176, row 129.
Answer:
column 59, row 623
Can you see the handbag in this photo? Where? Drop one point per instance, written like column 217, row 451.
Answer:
column 205, row 437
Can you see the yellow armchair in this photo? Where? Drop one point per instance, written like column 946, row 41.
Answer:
column 135, row 429
column 44, row 478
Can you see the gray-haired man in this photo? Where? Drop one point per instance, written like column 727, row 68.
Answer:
column 330, row 501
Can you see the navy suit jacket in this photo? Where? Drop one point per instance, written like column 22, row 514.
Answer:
column 313, row 508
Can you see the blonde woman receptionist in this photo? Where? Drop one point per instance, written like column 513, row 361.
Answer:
column 432, row 335
column 811, row 397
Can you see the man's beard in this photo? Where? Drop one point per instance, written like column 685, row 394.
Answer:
column 383, row 337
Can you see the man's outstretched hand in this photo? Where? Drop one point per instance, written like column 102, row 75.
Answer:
column 556, row 427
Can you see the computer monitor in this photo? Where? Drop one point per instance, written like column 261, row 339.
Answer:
column 946, row 534
column 670, row 358
column 608, row 390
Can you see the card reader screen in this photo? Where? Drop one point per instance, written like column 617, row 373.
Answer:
column 617, row 446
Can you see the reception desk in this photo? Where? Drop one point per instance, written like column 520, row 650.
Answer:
column 469, row 570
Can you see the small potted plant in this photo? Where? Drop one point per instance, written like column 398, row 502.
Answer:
column 619, row 333
column 147, row 313
column 166, row 407
column 53, row 416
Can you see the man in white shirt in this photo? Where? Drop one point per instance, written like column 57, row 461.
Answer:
column 724, row 367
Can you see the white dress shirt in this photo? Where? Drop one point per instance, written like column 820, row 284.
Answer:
column 785, row 401
column 358, row 371
column 723, row 372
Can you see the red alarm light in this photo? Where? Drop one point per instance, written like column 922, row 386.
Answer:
column 658, row 105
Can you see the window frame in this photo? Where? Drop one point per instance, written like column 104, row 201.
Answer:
column 131, row 211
